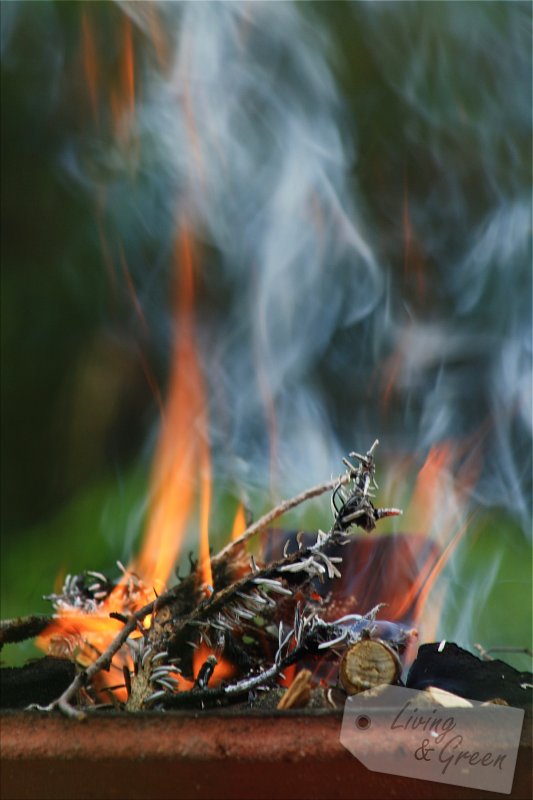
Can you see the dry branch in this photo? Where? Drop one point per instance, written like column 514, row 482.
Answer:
column 21, row 628
column 281, row 509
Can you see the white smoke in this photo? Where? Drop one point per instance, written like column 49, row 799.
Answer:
column 252, row 125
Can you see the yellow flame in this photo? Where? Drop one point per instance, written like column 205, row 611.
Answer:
column 239, row 523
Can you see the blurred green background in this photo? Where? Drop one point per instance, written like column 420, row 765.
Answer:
column 79, row 416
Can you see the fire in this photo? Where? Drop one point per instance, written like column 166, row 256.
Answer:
column 182, row 460
column 429, row 489
column 120, row 99
column 128, row 66
column 436, row 569
column 182, row 450
column 436, row 511
column 205, row 506
column 239, row 523
column 83, row 636
column 223, row 670
column 430, row 493
column 289, row 674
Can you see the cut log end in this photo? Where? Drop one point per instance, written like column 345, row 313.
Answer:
column 368, row 663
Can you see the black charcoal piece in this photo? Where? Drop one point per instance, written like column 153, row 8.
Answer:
column 40, row 681
column 456, row 670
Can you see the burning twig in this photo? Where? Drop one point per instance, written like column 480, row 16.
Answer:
column 103, row 662
column 281, row 509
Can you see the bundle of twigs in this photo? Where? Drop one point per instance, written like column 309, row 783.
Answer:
column 261, row 618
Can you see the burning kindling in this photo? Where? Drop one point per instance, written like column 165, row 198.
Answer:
column 239, row 638
column 308, row 620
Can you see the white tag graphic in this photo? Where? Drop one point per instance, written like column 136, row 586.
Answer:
column 406, row 732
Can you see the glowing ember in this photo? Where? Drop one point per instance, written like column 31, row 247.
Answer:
column 222, row 671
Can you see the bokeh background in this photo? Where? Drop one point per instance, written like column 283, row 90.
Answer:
column 356, row 177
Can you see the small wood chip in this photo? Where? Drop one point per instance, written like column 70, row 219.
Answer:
column 298, row 693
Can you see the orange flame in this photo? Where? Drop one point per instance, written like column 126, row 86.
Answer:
column 239, row 523
column 122, row 96
column 86, row 635
column 128, row 66
column 181, row 456
column 437, row 568
column 223, row 670
column 123, row 90
column 428, row 489
column 205, row 506
column 182, row 448
column 436, row 510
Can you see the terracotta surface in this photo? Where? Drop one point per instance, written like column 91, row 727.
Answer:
column 285, row 755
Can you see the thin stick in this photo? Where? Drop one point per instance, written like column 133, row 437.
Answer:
column 21, row 628
column 278, row 511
